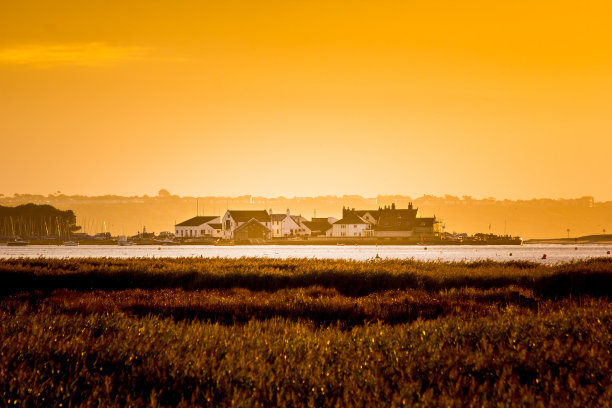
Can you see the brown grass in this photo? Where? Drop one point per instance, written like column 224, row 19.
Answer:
column 292, row 333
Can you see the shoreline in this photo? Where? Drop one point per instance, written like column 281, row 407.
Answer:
column 301, row 242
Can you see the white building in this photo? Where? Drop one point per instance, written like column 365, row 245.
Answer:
column 287, row 225
column 350, row 226
column 199, row 227
column 234, row 218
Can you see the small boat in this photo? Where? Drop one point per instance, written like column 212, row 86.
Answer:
column 18, row 242
column 223, row 243
column 71, row 243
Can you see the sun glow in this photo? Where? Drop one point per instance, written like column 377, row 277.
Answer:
column 303, row 98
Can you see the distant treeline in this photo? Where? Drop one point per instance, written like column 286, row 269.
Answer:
column 537, row 218
column 31, row 220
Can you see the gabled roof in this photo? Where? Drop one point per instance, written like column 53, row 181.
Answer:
column 397, row 219
column 250, row 223
column 196, row 221
column 216, row 226
column 244, row 216
column 373, row 213
column 318, row 225
column 278, row 217
column 351, row 219
column 297, row 219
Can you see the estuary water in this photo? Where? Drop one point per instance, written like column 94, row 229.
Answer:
column 555, row 253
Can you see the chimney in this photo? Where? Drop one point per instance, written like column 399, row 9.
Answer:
column 288, row 212
column 270, row 211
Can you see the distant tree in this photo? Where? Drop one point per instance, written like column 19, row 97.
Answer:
column 36, row 220
column 163, row 193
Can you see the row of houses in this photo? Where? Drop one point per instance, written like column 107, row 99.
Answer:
column 385, row 222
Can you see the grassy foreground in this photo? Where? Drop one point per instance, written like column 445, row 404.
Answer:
column 261, row 332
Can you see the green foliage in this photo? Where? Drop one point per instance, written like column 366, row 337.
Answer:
column 259, row 332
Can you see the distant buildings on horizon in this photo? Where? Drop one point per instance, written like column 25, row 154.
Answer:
column 384, row 222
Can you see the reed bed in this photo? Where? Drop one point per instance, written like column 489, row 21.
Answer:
column 351, row 278
column 263, row 332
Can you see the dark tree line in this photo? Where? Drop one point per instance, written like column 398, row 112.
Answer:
column 32, row 220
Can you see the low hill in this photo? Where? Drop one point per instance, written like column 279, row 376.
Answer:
column 526, row 218
column 587, row 239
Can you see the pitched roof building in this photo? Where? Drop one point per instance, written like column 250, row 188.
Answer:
column 351, row 225
column 287, row 225
column 319, row 226
column 392, row 222
column 198, row 227
column 235, row 218
column 251, row 230
column 196, row 221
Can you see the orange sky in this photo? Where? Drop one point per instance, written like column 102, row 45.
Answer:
column 504, row 99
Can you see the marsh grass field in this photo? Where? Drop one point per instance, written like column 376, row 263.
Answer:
column 297, row 332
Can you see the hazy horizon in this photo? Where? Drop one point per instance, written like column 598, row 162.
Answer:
column 536, row 218
column 337, row 195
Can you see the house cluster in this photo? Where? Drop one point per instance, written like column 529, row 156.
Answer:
column 385, row 222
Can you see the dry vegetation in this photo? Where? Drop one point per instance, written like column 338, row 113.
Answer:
column 248, row 332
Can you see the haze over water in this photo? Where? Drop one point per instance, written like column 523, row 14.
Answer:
column 554, row 253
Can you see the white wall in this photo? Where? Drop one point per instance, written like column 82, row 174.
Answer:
column 228, row 232
column 199, row 231
column 348, row 230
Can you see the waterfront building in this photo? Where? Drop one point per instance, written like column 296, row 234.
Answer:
column 199, row 227
column 287, row 225
column 387, row 222
column 320, row 226
column 235, row 218
column 351, row 225
column 252, row 230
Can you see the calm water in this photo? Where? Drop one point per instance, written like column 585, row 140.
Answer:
column 554, row 253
